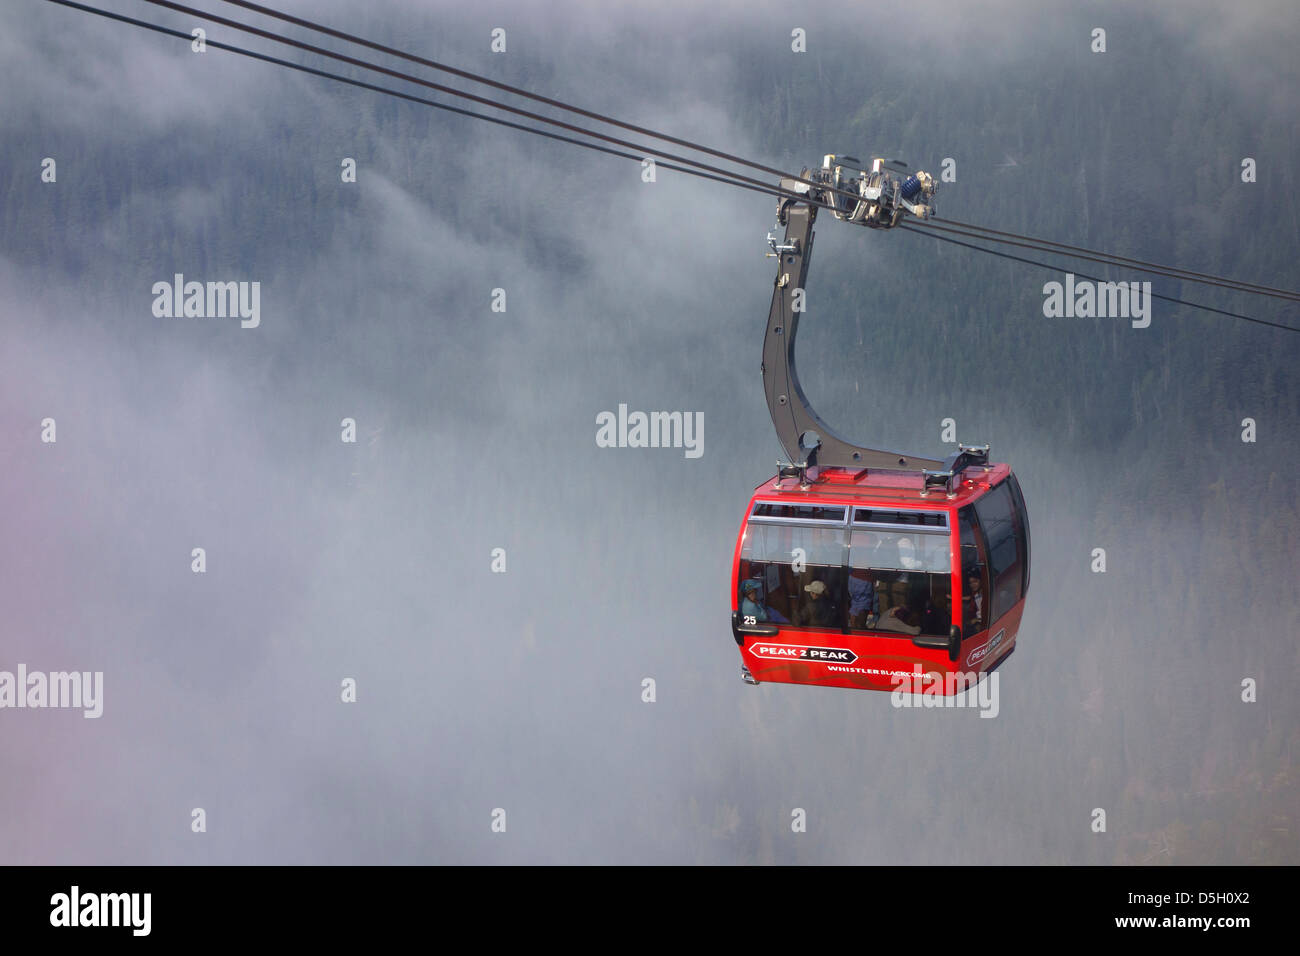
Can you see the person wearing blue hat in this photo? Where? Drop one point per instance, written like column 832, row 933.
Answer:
column 752, row 605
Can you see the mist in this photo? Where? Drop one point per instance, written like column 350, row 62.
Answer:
column 372, row 561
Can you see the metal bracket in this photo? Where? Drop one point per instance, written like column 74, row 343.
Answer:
column 778, row 248
column 948, row 475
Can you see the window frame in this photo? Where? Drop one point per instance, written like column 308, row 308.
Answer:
column 996, row 583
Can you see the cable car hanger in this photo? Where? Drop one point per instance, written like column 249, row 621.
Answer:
column 878, row 198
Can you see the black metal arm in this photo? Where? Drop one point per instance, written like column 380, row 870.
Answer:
column 806, row 439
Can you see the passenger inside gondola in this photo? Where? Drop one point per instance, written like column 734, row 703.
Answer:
column 864, row 605
column 752, row 604
column 819, row 608
column 973, row 603
column 912, row 589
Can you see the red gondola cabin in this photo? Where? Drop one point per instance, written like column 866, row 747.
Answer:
column 859, row 577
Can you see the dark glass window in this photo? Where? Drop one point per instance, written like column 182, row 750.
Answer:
column 974, row 573
column 997, row 518
column 773, row 509
column 922, row 519
column 1023, row 517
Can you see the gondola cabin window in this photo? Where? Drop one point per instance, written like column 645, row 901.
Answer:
column 1006, row 541
column 793, row 573
column 900, row 576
